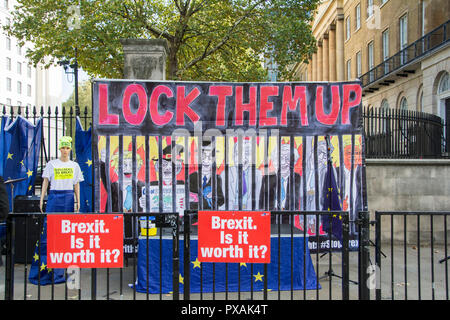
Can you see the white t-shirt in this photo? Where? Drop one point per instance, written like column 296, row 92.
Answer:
column 62, row 175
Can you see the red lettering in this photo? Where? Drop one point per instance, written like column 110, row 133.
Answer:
column 266, row 106
column 347, row 104
column 222, row 92
column 138, row 117
column 157, row 118
column 331, row 118
column 104, row 117
column 291, row 103
column 241, row 107
column 183, row 107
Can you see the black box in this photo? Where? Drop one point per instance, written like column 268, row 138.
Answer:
column 27, row 228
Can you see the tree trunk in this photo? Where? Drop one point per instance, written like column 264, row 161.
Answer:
column 173, row 63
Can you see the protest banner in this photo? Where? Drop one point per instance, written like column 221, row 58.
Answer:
column 85, row 241
column 234, row 236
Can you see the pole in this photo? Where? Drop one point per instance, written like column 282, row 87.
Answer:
column 75, row 69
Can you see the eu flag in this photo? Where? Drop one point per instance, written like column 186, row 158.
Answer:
column 154, row 268
column 84, row 159
column 5, row 141
column 21, row 148
column 330, row 202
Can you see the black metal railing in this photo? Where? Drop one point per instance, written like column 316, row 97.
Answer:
column 394, row 133
column 411, row 256
column 437, row 37
column 23, row 246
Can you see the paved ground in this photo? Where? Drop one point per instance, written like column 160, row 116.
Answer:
column 427, row 279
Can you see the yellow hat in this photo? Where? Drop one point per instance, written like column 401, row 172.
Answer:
column 65, row 141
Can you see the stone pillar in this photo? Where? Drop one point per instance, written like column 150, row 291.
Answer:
column 325, row 55
column 314, row 67
column 145, row 59
column 340, row 59
column 310, row 71
column 332, row 53
column 319, row 61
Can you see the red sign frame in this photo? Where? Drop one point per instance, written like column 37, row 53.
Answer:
column 234, row 236
column 85, row 240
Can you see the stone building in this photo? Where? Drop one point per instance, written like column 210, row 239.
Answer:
column 400, row 50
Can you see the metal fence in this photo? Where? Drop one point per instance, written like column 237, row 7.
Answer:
column 411, row 256
column 393, row 133
column 162, row 270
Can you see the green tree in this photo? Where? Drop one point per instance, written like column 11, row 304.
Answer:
column 211, row 40
column 84, row 111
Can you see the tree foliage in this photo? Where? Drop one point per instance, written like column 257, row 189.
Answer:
column 211, row 40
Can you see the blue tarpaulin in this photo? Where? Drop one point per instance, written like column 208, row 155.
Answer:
column 236, row 271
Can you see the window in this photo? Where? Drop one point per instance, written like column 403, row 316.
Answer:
column 29, row 90
column 8, row 101
column 8, row 84
column 358, row 64
column 347, row 28
column 19, row 68
column 8, row 64
column 6, row 4
column 384, row 104
column 420, row 100
column 19, row 49
column 443, row 84
column 29, row 71
column 19, row 87
column 349, row 69
column 403, row 104
column 369, row 8
column 8, row 43
column 370, row 61
column 403, row 30
column 358, row 16
column 385, row 40
column 422, row 17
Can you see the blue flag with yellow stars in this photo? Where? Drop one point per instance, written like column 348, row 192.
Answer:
column 5, row 141
column 155, row 269
column 21, row 145
column 330, row 202
column 83, row 152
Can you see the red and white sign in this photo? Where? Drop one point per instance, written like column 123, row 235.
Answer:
column 234, row 236
column 85, row 241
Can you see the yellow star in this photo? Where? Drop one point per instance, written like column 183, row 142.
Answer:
column 258, row 277
column 89, row 162
column 36, row 257
column 196, row 263
column 242, row 264
column 29, row 188
column 10, row 155
column 29, row 173
column 43, row 266
column 21, row 162
column 181, row 279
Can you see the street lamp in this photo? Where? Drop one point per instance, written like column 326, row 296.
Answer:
column 74, row 66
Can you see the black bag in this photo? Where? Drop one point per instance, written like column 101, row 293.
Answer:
column 4, row 202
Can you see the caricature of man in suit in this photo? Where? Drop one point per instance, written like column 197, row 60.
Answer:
column 273, row 198
column 206, row 184
column 167, row 183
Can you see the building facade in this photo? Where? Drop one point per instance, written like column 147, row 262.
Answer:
column 400, row 50
column 21, row 83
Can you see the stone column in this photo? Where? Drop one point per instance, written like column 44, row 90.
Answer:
column 340, row 59
column 319, row 61
column 145, row 59
column 314, row 67
column 332, row 53
column 325, row 55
